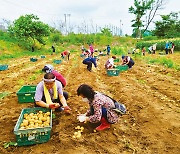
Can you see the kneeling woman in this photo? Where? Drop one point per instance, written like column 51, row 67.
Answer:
column 101, row 107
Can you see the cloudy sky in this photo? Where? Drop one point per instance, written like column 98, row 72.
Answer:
column 92, row 12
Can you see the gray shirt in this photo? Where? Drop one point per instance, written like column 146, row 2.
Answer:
column 40, row 90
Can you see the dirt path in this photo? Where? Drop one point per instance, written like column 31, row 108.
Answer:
column 150, row 92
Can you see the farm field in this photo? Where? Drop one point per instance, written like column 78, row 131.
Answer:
column 150, row 92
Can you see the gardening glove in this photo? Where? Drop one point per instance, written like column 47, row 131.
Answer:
column 67, row 109
column 54, row 105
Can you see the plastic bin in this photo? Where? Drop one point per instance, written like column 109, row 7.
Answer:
column 33, row 59
column 116, row 60
column 57, row 61
column 113, row 72
column 33, row 135
column 43, row 56
column 3, row 67
column 26, row 94
column 122, row 68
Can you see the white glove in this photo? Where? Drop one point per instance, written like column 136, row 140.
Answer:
column 81, row 118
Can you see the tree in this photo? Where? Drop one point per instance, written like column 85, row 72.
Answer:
column 29, row 29
column 150, row 14
column 169, row 26
column 106, row 32
column 139, row 10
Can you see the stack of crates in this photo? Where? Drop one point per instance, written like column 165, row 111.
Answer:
column 32, row 136
column 3, row 67
column 26, row 94
column 113, row 72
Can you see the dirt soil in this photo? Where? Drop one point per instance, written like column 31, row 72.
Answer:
column 151, row 94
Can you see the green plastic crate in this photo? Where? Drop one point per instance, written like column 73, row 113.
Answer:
column 113, row 72
column 3, row 67
column 43, row 56
column 26, row 94
column 122, row 68
column 116, row 60
column 33, row 59
column 33, row 135
column 57, row 61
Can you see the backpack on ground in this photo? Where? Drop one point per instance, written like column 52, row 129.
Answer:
column 119, row 108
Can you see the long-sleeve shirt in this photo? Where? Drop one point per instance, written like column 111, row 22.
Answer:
column 110, row 63
column 40, row 90
column 91, row 59
column 100, row 101
column 59, row 77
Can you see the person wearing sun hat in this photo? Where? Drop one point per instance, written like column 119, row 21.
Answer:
column 48, row 68
column 49, row 94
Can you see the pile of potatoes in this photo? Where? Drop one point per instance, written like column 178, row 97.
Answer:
column 77, row 134
column 35, row 120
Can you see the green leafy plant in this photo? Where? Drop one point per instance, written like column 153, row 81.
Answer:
column 8, row 144
column 3, row 94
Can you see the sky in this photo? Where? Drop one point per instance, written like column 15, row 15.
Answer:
column 92, row 13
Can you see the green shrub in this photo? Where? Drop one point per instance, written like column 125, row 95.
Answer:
column 160, row 44
column 163, row 61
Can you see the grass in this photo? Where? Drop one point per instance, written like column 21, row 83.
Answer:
column 3, row 94
column 163, row 61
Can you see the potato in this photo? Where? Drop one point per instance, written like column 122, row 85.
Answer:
column 40, row 112
column 43, row 119
column 47, row 113
column 31, row 114
column 78, row 127
column 39, row 122
column 22, row 128
column 74, row 136
column 25, row 115
column 82, row 128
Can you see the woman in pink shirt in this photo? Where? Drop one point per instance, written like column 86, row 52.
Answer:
column 91, row 49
